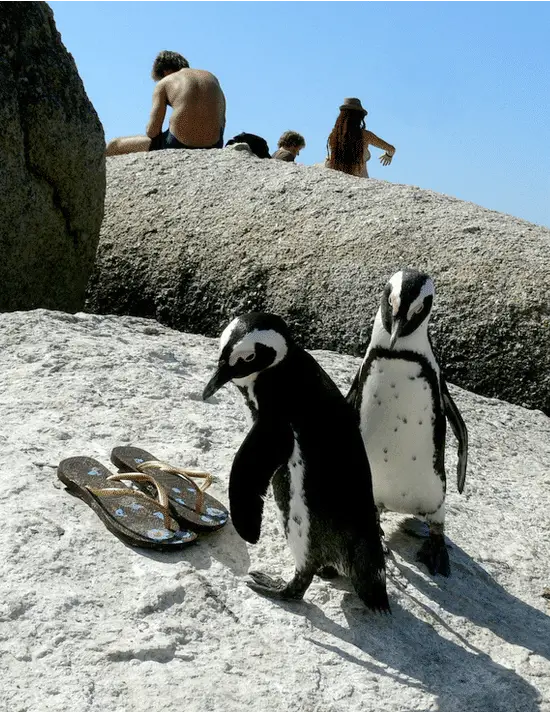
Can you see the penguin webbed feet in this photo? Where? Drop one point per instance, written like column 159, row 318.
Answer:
column 276, row 587
column 434, row 555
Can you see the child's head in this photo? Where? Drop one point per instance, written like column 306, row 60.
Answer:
column 292, row 141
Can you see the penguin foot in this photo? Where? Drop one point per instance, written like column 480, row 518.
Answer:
column 433, row 553
column 327, row 572
column 278, row 588
column 271, row 587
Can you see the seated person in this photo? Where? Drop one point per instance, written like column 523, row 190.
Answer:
column 257, row 144
column 198, row 110
column 290, row 144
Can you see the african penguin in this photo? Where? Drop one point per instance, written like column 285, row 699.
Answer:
column 403, row 402
column 305, row 439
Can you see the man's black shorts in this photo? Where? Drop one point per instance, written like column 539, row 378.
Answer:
column 168, row 140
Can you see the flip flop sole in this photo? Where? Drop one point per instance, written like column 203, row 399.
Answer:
column 182, row 491
column 131, row 518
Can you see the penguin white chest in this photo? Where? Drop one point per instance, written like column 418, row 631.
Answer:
column 397, row 423
column 297, row 531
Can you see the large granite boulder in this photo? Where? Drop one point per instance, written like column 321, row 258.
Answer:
column 52, row 175
column 193, row 237
column 88, row 624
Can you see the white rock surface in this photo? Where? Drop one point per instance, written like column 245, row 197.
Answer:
column 89, row 624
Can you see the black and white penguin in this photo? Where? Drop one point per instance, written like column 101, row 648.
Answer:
column 305, row 439
column 403, row 403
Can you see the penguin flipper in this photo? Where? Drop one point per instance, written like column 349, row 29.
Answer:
column 267, row 446
column 353, row 393
column 460, row 431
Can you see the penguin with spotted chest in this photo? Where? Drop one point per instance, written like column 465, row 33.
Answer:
column 403, row 403
column 305, row 440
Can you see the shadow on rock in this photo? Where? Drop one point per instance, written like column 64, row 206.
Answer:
column 224, row 546
column 472, row 593
column 419, row 657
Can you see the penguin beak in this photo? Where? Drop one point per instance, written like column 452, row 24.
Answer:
column 398, row 325
column 219, row 379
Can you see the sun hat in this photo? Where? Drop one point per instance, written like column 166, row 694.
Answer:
column 354, row 105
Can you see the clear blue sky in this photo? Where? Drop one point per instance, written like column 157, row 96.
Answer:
column 462, row 89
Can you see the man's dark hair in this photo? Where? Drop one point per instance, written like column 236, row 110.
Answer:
column 258, row 145
column 291, row 139
column 167, row 61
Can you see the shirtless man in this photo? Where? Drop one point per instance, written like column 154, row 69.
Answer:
column 198, row 110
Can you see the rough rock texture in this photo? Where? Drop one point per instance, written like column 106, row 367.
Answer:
column 52, row 170
column 88, row 624
column 194, row 237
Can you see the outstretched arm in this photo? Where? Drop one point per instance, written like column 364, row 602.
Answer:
column 373, row 140
column 158, row 111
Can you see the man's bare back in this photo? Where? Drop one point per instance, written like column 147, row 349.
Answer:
column 198, row 110
column 198, row 107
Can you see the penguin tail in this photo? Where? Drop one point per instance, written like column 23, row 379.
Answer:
column 368, row 576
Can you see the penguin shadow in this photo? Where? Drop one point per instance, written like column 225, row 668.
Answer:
column 223, row 545
column 409, row 651
column 472, row 593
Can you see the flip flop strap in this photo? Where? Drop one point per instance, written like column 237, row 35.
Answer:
column 161, row 503
column 182, row 472
column 171, row 469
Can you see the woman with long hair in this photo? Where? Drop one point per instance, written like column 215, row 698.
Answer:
column 349, row 141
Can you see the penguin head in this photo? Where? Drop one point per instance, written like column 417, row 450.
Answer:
column 250, row 344
column 406, row 303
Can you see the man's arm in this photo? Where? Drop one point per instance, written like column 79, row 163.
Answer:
column 158, row 112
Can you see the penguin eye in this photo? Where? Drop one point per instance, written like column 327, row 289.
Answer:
column 249, row 357
column 418, row 309
column 390, row 301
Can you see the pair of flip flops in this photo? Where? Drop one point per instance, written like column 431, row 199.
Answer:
column 165, row 509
